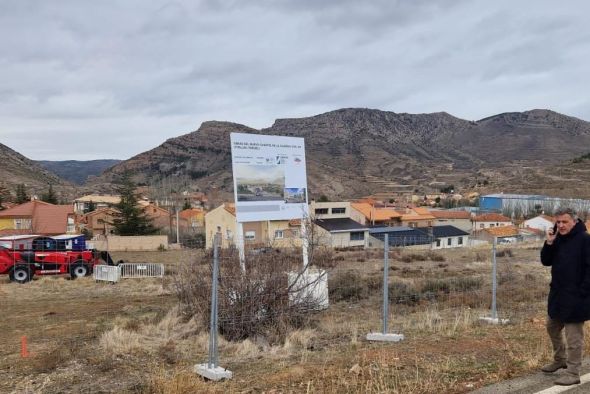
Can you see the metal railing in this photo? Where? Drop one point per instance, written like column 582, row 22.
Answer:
column 107, row 273
column 141, row 270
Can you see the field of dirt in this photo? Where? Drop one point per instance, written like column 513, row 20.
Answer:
column 131, row 337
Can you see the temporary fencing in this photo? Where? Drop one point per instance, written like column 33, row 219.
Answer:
column 141, row 270
column 433, row 291
column 107, row 273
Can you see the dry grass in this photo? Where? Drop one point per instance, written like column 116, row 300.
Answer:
column 81, row 332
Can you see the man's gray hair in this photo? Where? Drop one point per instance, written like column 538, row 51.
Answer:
column 567, row 211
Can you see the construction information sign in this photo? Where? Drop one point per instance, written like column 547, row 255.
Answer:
column 270, row 181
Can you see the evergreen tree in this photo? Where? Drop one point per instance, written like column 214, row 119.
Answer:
column 21, row 194
column 130, row 218
column 187, row 205
column 50, row 196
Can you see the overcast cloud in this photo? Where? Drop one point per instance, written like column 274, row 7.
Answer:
column 82, row 80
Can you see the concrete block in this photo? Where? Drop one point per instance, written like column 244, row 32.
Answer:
column 311, row 286
column 215, row 374
column 492, row 320
column 376, row 336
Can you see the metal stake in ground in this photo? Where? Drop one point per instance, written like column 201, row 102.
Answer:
column 211, row 370
column 384, row 336
column 494, row 317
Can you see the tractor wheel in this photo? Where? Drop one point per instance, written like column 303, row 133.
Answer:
column 22, row 274
column 78, row 270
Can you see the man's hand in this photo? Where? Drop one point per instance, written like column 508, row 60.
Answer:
column 550, row 236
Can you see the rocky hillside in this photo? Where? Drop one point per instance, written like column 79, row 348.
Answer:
column 17, row 169
column 354, row 152
column 77, row 171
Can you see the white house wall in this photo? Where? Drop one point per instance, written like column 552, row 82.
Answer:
column 454, row 242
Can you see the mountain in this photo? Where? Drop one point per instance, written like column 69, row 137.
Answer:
column 354, row 152
column 17, row 169
column 75, row 171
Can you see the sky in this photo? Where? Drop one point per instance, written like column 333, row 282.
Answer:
column 85, row 80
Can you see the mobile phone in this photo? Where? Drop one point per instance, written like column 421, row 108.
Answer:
column 555, row 229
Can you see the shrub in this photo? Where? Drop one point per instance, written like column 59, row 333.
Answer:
column 408, row 258
column 435, row 256
column 319, row 256
column 251, row 303
column 403, row 293
column 504, row 253
column 346, row 286
column 460, row 284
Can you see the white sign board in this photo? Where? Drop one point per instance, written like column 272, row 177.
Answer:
column 270, row 182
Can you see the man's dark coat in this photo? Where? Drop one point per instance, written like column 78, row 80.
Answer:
column 569, row 258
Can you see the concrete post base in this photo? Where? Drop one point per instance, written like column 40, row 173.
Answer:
column 376, row 336
column 492, row 320
column 215, row 374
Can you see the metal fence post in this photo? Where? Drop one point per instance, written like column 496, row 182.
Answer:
column 210, row 370
column 385, row 282
column 384, row 336
column 493, row 319
column 212, row 363
column 494, row 280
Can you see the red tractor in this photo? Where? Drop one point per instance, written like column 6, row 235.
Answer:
column 21, row 266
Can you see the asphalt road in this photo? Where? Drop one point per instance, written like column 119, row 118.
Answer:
column 540, row 383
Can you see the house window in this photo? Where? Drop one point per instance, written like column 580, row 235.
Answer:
column 228, row 234
column 249, row 235
column 279, row 234
column 413, row 224
column 482, row 225
column 449, row 241
column 357, row 235
column 71, row 227
column 491, row 225
column 22, row 224
column 438, row 243
column 321, row 211
column 460, row 241
column 295, row 233
column 338, row 210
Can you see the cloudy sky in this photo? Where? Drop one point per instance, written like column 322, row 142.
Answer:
column 82, row 80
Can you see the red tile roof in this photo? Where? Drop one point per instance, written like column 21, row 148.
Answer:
column 451, row 214
column 504, row 231
column 47, row 219
column 491, row 217
column 23, row 210
column 190, row 213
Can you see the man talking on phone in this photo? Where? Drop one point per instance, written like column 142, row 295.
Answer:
column 567, row 251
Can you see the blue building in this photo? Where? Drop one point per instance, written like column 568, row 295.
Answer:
column 528, row 204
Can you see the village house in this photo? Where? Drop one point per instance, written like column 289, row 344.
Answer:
column 194, row 219
column 541, row 222
column 38, row 217
column 417, row 217
column 276, row 233
column 449, row 237
column 458, row 219
column 368, row 212
column 83, row 204
column 503, row 234
column 100, row 221
column 490, row 220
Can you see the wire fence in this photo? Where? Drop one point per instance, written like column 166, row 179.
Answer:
column 260, row 300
